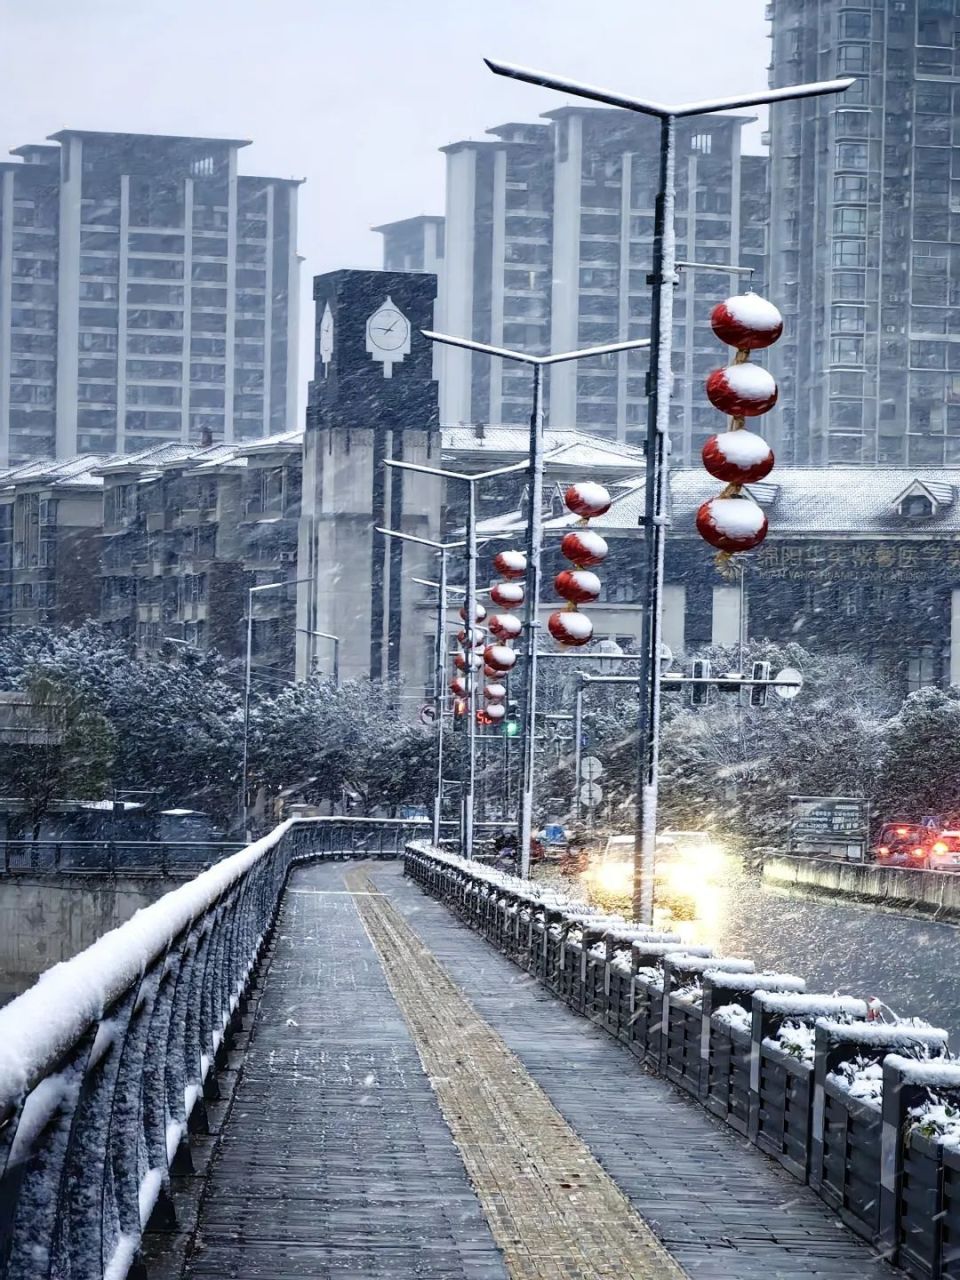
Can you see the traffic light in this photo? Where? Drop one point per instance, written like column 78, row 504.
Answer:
column 511, row 722
column 700, row 693
column 758, row 692
column 459, row 712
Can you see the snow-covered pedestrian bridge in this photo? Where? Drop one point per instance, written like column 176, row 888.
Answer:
column 291, row 1067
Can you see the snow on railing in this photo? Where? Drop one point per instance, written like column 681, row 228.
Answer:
column 106, row 1062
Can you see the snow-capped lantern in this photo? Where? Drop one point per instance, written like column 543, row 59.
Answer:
column 738, row 457
column 499, row 656
column 492, row 673
column 742, row 390
column 505, row 626
column 570, row 627
column 747, row 322
column 495, row 711
column 583, row 548
column 511, row 565
column 479, row 612
column 458, row 687
column 587, row 499
column 475, row 636
column 495, row 692
column 732, row 524
column 579, row 586
column 460, row 661
column 508, row 595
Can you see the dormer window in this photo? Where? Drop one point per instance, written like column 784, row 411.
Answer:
column 923, row 499
column 916, row 507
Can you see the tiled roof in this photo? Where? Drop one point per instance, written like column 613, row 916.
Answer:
column 78, row 472
column 562, row 447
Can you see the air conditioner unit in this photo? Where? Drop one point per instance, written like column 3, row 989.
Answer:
column 287, row 557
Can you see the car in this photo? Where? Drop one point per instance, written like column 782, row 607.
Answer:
column 903, row 844
column 944, row 853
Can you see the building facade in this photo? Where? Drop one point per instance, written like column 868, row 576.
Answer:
column 865, row 232
column 413, row 244
column 548, row 243
column 50, row 536
column 148, row 295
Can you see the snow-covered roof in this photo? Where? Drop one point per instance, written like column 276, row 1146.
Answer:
column 80, row 472
column 562, row 447
column 800, row 502
column 278, row 443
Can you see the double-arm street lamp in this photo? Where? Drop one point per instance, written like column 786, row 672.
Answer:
column 534, row 467
column 471, row 480
column 663, row 278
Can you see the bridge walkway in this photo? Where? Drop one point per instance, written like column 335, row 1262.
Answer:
column 411, row 1105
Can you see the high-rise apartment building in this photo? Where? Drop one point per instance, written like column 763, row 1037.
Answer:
column 548, row 244
column 865, row 231
column 148, row 295
column 413, row 244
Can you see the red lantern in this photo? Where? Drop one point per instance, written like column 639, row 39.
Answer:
column 479, row 613
column 747, row 322
column 587, row 499
column 458, row 687
column 495, row 711
column 580, row 586
column 742, row 390
column 508, row 595
column 570, row 628
column 491, row 672
column 495, row 692
column 732, row 524
column 475, row 637
column 738, row 457
column 505, row 626
column 460, row 661
column 511, row 565
column 499, row 657
column 584, row 548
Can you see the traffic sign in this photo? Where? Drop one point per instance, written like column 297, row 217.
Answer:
column 591, row 793
column 428, row 713
column 590, row 769
column 788, row 683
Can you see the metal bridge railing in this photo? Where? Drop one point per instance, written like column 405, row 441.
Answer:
column 107, row 1062
column 177, row 858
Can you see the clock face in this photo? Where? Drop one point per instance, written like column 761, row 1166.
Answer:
column 388, row 329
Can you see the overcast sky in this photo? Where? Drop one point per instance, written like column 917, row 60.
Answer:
column 355, row 96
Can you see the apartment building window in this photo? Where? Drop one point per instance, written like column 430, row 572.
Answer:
column 849, row 190
column 702, row 143
column 932, row 98
column 928, row 355
column 853, row 59
column 154, row 344
column 852, row 124
column 155, row 268
column 852, row 155
column 849, row 253
column 846, row 351
column 850, row 222
column 855, row 25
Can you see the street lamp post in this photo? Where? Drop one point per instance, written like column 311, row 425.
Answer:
column 326, row 635
column 251, row 591
column 470, row 609
column 439, row 670
column 659, row 378
column 534, row 543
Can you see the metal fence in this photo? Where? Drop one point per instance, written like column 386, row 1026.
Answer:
column 107, row 1064
column 176, row 858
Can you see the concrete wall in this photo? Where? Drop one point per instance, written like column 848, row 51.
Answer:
column 917, row 892
column 44, row 920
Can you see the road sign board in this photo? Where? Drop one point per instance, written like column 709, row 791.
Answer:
column 554, row 833
column 591, row 793
column 428, row 713
column 787, row 683
column 590, row 769
column 829, row 824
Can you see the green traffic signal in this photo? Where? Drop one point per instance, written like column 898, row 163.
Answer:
column 512, row 728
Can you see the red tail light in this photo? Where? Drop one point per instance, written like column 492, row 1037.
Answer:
column 883, row 849
column 918, row 853
column 939, row 847
column 901, row 831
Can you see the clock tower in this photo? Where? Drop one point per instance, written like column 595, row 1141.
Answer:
column 373, row 398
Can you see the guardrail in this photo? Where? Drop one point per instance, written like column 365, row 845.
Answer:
column 916, row 890
column 176, row 858
column 108, row 1061
column 858, row 1109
